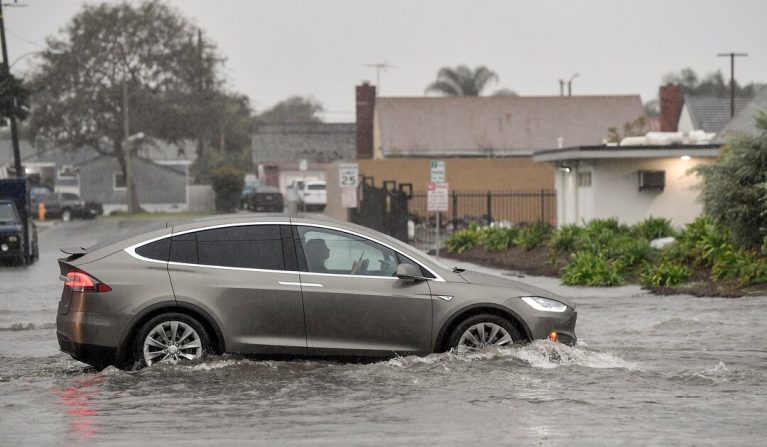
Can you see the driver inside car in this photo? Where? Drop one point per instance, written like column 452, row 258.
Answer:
column 317, row 252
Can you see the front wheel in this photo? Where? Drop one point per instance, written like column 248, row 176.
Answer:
column 66, row 215
column 171, row 336
column 480, row 331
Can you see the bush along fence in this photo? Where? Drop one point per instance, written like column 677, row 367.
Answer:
column 465, row 208
column 607, row 253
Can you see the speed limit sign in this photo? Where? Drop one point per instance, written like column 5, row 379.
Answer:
column 348, row 174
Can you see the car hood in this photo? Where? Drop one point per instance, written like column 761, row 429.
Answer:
column 10, row 228
column 493, row 280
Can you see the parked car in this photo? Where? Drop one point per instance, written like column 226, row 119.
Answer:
column 264, row 198
column 36, row 195
column 289, row 286
column 66, row 206
column 12, row 246
column 312, row 195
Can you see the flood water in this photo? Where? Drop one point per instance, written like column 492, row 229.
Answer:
column 647, row 371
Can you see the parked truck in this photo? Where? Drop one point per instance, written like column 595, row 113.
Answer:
column 18, row 234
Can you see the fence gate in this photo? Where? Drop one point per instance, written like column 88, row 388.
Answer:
column 383, row 209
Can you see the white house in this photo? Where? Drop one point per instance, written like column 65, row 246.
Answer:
column 629, row 183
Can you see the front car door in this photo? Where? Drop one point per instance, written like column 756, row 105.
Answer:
column 246, row 277
column 353, row 301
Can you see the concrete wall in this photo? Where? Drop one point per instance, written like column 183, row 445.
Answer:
column 614, row 191
column 465, row 174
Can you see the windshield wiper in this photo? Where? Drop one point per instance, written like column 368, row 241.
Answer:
column 458, row 270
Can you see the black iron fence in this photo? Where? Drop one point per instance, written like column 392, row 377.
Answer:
column 481, row 207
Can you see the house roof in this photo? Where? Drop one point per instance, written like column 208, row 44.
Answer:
column 316, row 142
column 498, row 125
column 623, row 152
column 743, row 122
column 710, row 113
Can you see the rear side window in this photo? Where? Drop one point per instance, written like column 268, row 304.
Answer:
column 247, row 246
column 157, row 250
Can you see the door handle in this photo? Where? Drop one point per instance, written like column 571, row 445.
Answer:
column 303, row 284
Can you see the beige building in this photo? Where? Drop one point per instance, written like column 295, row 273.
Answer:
column 627, row 183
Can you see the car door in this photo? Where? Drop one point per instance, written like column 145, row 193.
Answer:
column 353, row 301
column 246, row 277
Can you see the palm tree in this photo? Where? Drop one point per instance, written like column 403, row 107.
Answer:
column 462, row 81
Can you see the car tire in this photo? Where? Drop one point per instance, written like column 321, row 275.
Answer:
column 148, row 352
column 66, row 215
column 483, row 330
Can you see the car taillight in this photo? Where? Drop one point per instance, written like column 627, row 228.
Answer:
column 81, row 282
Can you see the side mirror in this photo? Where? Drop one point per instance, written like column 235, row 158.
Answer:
column 409, row 272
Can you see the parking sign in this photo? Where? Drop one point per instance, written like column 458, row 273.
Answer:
column 348, row 173
column 437, row 197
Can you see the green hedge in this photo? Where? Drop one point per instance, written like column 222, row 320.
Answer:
column 605, row 252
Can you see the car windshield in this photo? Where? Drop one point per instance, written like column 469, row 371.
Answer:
column 316, row 187
column 8, row 213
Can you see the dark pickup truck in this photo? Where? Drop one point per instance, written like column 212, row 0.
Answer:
column 66, row 206
column 16, row 246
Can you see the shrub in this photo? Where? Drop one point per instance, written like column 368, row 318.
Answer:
column 566, row 238
column 653, row 228
column 704, row 241
column 667, row 273
column 534, row 235
column 733, row 189
column 499, row 239
column 741, row 264
column 463, row 240
column 590, row 269
column 227, row 183
column 634, row 252
column 601, row 226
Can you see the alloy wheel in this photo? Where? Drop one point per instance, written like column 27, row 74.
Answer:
column 482, row 335
column 172, row 340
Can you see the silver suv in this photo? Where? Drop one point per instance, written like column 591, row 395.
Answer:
column 271, row 284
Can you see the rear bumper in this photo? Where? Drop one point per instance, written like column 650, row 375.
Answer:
column 93, row 338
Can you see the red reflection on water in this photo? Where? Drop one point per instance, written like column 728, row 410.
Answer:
column 76, row 399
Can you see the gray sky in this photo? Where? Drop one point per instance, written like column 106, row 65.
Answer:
column 279, row 48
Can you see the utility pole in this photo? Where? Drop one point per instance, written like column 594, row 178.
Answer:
column 127, row 151
column 12, row 118
column 200, row 99
column 732, row 56
column 14, row 130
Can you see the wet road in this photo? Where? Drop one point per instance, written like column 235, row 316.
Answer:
column 648, row 370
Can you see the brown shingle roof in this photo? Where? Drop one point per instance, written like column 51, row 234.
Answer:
column 489, row 126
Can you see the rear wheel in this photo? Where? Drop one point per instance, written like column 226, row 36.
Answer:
column 171, row 337
column 480, row 331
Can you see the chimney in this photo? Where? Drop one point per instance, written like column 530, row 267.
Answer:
column 366, row 103
column 671, row 102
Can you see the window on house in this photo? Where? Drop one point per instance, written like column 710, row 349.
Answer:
column 584, row 179
column 118, row 181
column 67, row 172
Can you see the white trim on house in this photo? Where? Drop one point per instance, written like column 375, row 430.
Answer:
column 622, row 152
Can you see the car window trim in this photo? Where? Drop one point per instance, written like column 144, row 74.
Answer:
column 132, row 250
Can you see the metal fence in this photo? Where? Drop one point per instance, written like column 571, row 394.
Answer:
column 467, row 207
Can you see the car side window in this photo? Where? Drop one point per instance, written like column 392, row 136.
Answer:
column 336, row 252
column 245, row 246
column 157, row 250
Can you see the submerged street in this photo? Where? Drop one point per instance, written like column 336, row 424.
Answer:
column 648, row 370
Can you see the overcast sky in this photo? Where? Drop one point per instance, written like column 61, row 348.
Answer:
column 279, row 48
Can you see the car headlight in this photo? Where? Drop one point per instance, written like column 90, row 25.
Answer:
column 544, row 304
column 12, row 238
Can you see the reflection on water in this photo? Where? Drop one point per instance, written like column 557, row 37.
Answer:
column 76, row 400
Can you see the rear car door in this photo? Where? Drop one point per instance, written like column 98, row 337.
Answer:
column 354, row 303
column 246, row 277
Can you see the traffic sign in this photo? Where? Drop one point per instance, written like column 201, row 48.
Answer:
column 348, row 173
column 438, row 174
column 437, row 196
column 303, row 165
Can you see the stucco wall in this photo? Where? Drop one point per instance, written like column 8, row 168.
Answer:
column 465, row 174
column 614, row 192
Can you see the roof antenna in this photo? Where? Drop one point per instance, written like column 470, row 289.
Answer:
column 379, row 67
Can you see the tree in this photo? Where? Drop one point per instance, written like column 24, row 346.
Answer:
column 713, row 84
column 118, row 70
column 462, row 81
column 635, row 128
column 505, row 92
column 734, row 190
column 295, row 109
column 14, row 98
